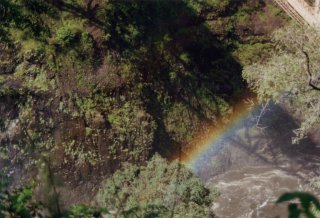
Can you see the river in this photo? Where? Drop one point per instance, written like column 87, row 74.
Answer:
column 254, row 166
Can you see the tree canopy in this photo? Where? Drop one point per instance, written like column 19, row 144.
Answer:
column 170, row 188
column 291, row 75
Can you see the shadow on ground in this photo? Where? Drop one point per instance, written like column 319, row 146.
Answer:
column 254, row 166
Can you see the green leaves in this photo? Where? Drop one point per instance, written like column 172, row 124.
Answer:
column 66, row 36
column 149, row 211
column 307, row 203
column 156, row 190
column 283, row 77
column 18, row 203
column 84, row 211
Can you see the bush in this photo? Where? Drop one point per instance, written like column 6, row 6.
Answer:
column 132, row 130
column 66, row 36
column 168, row 188
column 181, row 122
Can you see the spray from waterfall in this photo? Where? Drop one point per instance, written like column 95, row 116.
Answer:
column 209, row 142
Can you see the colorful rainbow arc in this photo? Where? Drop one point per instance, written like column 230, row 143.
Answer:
column 209, row 142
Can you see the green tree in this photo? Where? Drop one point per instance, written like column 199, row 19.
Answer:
column 291, row 74
column 167, row 189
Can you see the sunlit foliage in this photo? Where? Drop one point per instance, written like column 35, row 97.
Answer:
column 284, row 76
column 164, row 185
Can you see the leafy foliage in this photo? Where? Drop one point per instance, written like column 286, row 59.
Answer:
column 19, row 204
column 164, row 185
column 94, row 83
column 109, row 71
column 84, row 211
column 308, row 205
column 284, row 76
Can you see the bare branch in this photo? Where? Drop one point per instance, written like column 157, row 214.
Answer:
column 310, row 78
column 261, row 113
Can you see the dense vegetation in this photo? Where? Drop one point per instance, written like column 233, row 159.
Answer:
column 173, row 188
column 291, row 75
column 95, row 83
column 133, row 191
column 90, row 90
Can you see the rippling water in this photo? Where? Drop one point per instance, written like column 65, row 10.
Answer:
column 256, row 165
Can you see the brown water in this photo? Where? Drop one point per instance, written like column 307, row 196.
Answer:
column 257, row 165
column 252, row 192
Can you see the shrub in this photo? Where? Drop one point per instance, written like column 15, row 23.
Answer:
column 168, row 187
column 66, row 36
column 181, row 122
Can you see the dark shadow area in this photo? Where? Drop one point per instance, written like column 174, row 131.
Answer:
column 249, row 146
column 178, row 60
column 88, row 12
column 253, row 166
column 173, row 60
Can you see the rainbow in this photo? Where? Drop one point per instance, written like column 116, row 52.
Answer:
column 213, row 137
